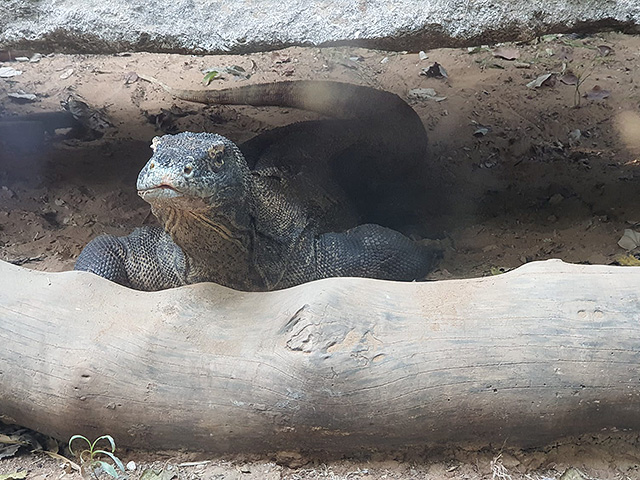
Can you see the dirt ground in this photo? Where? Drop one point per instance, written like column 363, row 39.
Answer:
column 520, row 173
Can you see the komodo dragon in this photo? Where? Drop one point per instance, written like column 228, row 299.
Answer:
column 227, row 222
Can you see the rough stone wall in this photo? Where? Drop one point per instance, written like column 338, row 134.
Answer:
column 217, row 26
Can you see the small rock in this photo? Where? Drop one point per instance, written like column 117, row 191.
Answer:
column 22, row 59
column 35, row 58
column 422, row 55
column 384, row 60
column 131, row 466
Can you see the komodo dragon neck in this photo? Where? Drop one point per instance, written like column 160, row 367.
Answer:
column 218, row 247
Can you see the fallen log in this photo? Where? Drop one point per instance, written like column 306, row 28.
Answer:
column 545, row 351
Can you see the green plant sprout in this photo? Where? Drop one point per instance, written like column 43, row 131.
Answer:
column 91, row 458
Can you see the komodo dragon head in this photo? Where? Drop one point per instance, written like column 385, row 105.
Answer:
column 193, row 171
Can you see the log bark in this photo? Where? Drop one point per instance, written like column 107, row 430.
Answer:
column 545, row 351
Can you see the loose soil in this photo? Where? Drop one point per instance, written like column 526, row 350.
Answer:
column 518, row 174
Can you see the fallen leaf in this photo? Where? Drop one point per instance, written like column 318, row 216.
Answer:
column 507, row 53
column 478, row 49
column 10, row 440
column 237, row 70
column 211, row 75
column 66, row 74
column 550, row 38
column 605, row 50
column 22, row 96
column 425, row 94
column 569, row 78
column 163, row 474
column 597, row 93
column 13, row 476
column 9, row 450
column 435, row 71
column 481, row 131
column 630, row 239
column 575, row 136
column 573, row 474
column 8, row 72
column 130, row 77
column 628, row 261
column 547, row 80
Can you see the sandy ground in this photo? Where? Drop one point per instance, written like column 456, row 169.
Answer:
column 519, row 174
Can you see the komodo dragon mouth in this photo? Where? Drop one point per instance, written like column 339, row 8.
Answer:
column 162, row 191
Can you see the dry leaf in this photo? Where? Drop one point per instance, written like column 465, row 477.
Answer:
column 9, row 450
column 597, row 93
column 569, row 78
column 547, row 80
column 630, row 239
column 22, row 96
column 14, row 476
column 130, row 77
column 435, row 71
column 507, row 53
column 605, row 50
column 425, row 94
column 8, row 72
column 628, row 261
column 66, row 74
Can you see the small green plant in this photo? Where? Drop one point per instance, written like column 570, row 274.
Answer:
column 92, row 458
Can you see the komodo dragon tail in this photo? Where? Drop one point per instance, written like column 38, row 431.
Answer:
column 334, row 99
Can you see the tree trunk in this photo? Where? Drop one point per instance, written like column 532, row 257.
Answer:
column 546, row 351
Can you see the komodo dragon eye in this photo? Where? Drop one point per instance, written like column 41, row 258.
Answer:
column 188, row 170
column 215, row 153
